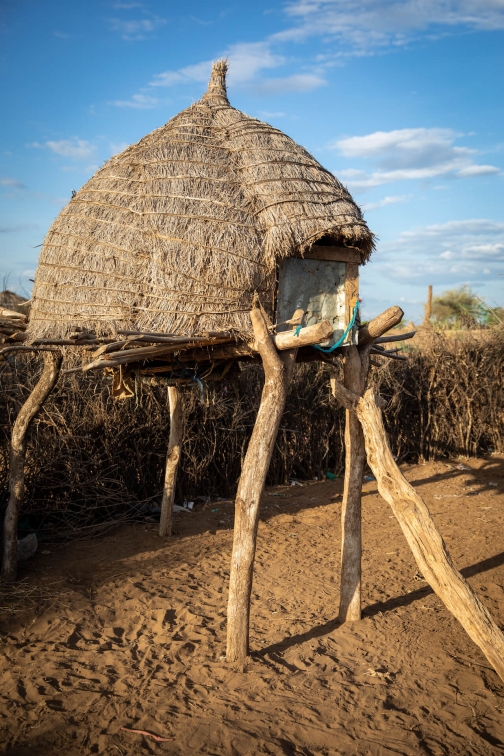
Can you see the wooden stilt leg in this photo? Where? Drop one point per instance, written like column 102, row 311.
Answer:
column 172, row 461
column 35, row 401
column 351, row 531
column 421, row 533
column 355, row 375
column 255, row 467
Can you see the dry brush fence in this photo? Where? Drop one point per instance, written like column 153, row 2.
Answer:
column 91, row 459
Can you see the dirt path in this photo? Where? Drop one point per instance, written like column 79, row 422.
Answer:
column 134, row 635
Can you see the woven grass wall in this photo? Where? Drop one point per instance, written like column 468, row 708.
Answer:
column 91, row 459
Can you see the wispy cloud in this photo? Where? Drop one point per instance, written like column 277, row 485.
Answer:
column 286, row 84
column 138, row 102
column 115, row 149
column 61, row 35
column 137, row 29
column 11, row 183
column 74, row 148
column 392, row 200
column 367, row 24
column 406, row 154
column 273, row 114
column 246, row 60
column 448, row 253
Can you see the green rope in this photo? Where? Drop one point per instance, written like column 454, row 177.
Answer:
column 345, row 334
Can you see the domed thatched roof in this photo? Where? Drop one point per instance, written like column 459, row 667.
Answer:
column 177, row 232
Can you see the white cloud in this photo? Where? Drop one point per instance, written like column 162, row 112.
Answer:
column 286, row 84
column 11, row 183
column 367, row 24
column 478, row 170
column 406, row 154
column 136, row 29
column 115, row 149
column 245, row 61
column 199, row 72
column 467, row 251
column 138, row 102
column 75, row 148
column 273, row 114
column 401, row 146
column 392, row 200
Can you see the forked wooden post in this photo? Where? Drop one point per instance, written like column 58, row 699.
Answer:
column 277, row 369
column 355, row 374
column 421, row 533
column 351, row 530
column 35, row 401
column 172, row 461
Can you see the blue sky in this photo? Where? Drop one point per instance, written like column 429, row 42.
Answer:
column 402, row 100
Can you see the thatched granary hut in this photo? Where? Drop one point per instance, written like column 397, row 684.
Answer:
column 177, row 233
column 191, row 241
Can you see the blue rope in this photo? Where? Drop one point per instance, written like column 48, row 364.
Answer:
column 347, row 331
column 296, row 332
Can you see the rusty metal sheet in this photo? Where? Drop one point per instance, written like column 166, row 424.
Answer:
column 317, row 287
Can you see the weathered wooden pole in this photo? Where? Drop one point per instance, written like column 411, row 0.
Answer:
column 355, row 375
column 428, row 308
column 172, row 461
column 277, row 370
column 351, row 529
column 35, row 401
column 424, row 539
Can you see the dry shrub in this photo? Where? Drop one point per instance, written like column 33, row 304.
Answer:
column 92, row 460
column 448, row 399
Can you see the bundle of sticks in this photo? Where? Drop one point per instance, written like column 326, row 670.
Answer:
column 132, row 346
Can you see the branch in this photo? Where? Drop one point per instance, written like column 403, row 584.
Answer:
column 398, row 337
column 380, row 325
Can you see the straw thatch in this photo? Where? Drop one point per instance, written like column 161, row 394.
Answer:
column 176, row 233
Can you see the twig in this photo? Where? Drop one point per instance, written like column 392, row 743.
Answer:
column 397, row 337
column 147, row 734
column 390, row 355
column 489, row 308
column 21, row 348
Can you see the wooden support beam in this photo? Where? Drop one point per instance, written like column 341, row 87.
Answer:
column 355, row 375
column 379, row 325
column 250, row 488
column 351, row 290
column 172, row 461
column 5, row 313
column 424, row 539
column 428, row 308
column 338, row 254
column 313, row 334
column 351, row 530
column 35, row 401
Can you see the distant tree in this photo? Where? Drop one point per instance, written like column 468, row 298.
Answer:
column 459, row 308
column 494, row 317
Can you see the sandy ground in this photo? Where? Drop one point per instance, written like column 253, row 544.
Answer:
column 134, row 635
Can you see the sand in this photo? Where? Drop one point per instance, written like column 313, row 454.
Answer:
column 134, row 635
